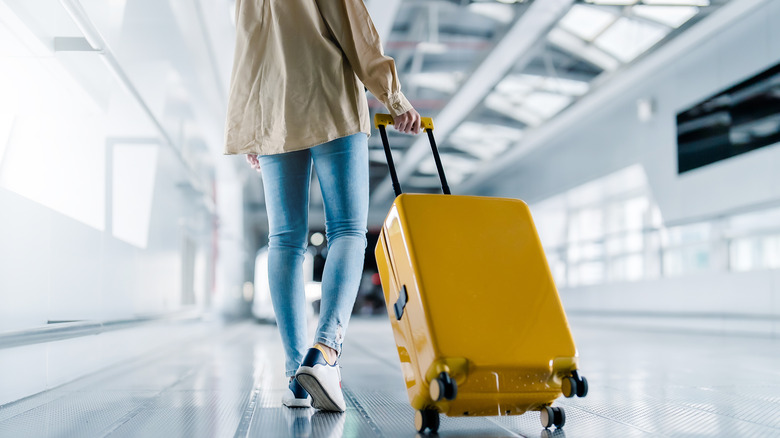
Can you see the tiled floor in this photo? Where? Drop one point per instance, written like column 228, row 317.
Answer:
column 230, row 385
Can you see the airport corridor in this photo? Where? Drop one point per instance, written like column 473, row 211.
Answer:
column 175, row 172
column 226, row 381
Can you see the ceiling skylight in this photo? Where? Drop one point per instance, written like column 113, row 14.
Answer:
column 591, row 41
column 532, row 99
column 558, row 85
column 546, row 104
column 501, row 104
column 582, row 49
column 587, row 22
column 446, row 82
column 673, row 16
column 503, row 13
column 524, row 84
column 627, row 38
column 458, row 167
column 484, row 141
column 612, row 2
column 677, row 2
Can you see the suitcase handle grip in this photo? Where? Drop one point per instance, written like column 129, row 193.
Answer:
column 387, row 119
column 381, row 121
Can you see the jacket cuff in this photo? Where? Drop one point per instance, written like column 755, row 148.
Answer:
column 397, row 104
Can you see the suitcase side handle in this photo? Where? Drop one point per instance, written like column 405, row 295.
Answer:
column 403, row 298
column 381, row 121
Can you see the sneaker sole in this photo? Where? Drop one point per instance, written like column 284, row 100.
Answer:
column 320, row 399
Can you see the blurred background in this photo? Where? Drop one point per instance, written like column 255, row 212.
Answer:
column 642, row 133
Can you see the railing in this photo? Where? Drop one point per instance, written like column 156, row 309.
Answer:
column 68, row 330
column 717, row 245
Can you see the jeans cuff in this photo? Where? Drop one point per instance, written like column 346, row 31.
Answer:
column 290, row 373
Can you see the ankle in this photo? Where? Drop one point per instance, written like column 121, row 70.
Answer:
column 330, row 353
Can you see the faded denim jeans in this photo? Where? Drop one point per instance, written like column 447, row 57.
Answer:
column 342, row 170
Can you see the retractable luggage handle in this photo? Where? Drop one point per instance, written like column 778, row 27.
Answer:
column 381, row 121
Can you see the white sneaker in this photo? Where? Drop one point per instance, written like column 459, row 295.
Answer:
column 296, row 396
column 322, row 380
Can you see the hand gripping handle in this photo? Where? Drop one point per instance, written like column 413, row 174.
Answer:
column 381, row 121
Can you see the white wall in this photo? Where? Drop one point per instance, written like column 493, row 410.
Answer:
column 721, row 303
column 106, row 185
column 97, row 205
column 55, row 268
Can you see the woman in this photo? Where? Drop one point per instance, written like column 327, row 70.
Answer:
column 297, row 98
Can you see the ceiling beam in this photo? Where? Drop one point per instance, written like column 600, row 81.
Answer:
column 513, row 49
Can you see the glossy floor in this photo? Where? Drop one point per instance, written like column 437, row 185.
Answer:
column 230, row 384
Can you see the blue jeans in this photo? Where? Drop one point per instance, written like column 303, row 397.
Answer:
column 342, row 170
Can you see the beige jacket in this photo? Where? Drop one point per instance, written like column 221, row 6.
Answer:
column 298, row 75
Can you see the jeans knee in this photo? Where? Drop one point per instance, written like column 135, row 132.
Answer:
column 288, row 240
column 347, row 233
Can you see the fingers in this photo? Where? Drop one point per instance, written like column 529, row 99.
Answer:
column 408, row 122
column 402, row 123
column 254, row 163
column 413, row 122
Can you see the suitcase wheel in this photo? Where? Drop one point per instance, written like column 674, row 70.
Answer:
column 427, row 419
column 582, row 387
column 574, row 385
column 443, row 387
column 552, row 416
column 569, row 387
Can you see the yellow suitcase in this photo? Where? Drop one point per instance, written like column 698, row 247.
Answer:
column 476, row 316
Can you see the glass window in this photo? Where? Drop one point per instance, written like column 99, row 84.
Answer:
column 484, row 141
column 586, row 224
column 582, row 49
column 686, row 260
column 558, row 268
column 626, row 268
column 610, row 229
column 585, row 274
column 587, row 22
column 627, row 38
column 673, row 16
column 550, row 218
column 134, row 171
column 753, row 253
column 686, row 234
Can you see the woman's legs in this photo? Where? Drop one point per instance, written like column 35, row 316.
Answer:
column 286, row 185
column 342, row 169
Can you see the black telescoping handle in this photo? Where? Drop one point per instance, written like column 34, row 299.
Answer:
column 445, row 188
column 390, row 164
column 381, row 121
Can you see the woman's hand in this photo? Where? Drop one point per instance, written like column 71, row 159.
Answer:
column 408, row 122
column 253, row 161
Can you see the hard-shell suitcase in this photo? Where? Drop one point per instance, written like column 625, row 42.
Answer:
column 476, row 316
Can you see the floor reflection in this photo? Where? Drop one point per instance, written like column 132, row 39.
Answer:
column 230, row 384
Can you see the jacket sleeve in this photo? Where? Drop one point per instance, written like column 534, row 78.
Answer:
column 352, row 28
